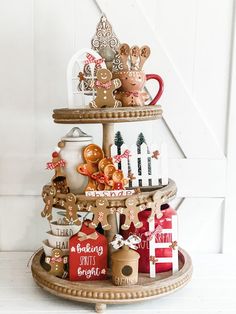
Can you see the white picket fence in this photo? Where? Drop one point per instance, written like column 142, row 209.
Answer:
column 148, row 171
column 153, row 245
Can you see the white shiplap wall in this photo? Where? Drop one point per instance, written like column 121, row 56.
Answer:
column 37, row 38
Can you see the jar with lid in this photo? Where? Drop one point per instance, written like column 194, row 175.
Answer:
column 72, row 152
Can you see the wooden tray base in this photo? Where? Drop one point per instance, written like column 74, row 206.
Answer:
column 104, row 292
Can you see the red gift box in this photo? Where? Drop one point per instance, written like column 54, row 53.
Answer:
column 143, row 247
column 87, row 255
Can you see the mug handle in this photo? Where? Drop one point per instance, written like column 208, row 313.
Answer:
column 161, row 87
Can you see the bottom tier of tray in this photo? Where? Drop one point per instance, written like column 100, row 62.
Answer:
column 104, row 292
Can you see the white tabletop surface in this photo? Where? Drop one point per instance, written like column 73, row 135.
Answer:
column 211, row 290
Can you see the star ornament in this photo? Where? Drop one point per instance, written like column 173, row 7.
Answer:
column 155, row 154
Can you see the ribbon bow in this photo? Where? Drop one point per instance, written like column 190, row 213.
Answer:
column 92, row 59
column 119, row 241
column 53, row 165
column 56, row 260
column 126, row 154
column 151, row 234
column 106, row 85
column 98, row 177
column 83, row 236
column 135, row 94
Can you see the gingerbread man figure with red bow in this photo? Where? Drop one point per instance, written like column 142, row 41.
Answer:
column 105, row 87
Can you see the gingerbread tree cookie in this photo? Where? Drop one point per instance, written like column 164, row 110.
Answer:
column 105, row 87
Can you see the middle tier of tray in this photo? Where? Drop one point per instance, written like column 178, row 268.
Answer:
column 107, row 115
column 143, row 196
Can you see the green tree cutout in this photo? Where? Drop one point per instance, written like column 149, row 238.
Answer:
column 140, row 140
column 118, row 142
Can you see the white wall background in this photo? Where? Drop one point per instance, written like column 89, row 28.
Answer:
column 192, row 47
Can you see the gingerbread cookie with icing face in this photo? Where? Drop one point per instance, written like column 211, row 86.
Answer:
column 100, row 213
column 155, row 205
column 118, row 181
column 57, row 262
column 105, row 87
column 131, row 214
column 71, row 210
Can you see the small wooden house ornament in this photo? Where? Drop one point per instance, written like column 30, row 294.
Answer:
column 125, row 260
column 87, row 255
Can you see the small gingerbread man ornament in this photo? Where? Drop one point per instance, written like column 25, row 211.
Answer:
column 71, row 210
column 50, row 200
column 57, row 262
column 155, row 206
column 118, row 181
column 100, row 213
column 105, row 87
column 131, row 213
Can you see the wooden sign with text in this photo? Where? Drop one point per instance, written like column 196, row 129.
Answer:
column 88, row 255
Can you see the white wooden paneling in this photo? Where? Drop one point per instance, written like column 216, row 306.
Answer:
column 190, row 42
column 230, row 212
column 205, row 143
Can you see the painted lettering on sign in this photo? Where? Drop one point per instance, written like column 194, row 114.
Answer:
column 88, row 255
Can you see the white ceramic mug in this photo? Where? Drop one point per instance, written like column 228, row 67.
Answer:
column 60, row 242
column 64, row 230
column 48, row 249
column 72, row 153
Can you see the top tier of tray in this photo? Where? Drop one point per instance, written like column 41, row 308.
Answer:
column 107, row 115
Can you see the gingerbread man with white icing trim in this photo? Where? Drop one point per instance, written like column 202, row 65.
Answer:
column 71, row 210
column 57, row 262
column 105, row 87
column 49, row 199
column 131, row 213
column 100, row 213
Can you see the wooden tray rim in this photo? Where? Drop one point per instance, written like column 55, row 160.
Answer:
column 85, row 292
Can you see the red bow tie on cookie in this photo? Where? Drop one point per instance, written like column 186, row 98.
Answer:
column 56, row 260
column 135, row 94
column 106, row 85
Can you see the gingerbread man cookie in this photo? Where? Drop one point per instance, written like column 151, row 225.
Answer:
column 155, row 206
column 57, row 262
column 49, row 199
column 131, row 214
column 92, row 154
column 105, row 87
column 118, row 181
column 100, row 213
column 71, row 210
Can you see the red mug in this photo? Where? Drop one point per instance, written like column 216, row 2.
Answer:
column 131, row 92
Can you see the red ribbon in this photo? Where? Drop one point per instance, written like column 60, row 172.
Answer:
column 106, row 85
column 151, row 234
column 92, row 59
column 56, row 260
column 53, row 165
column 99, row 177
column 135, row 94
column 126, row 154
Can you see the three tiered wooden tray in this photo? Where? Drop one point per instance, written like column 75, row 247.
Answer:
column 104, row 292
